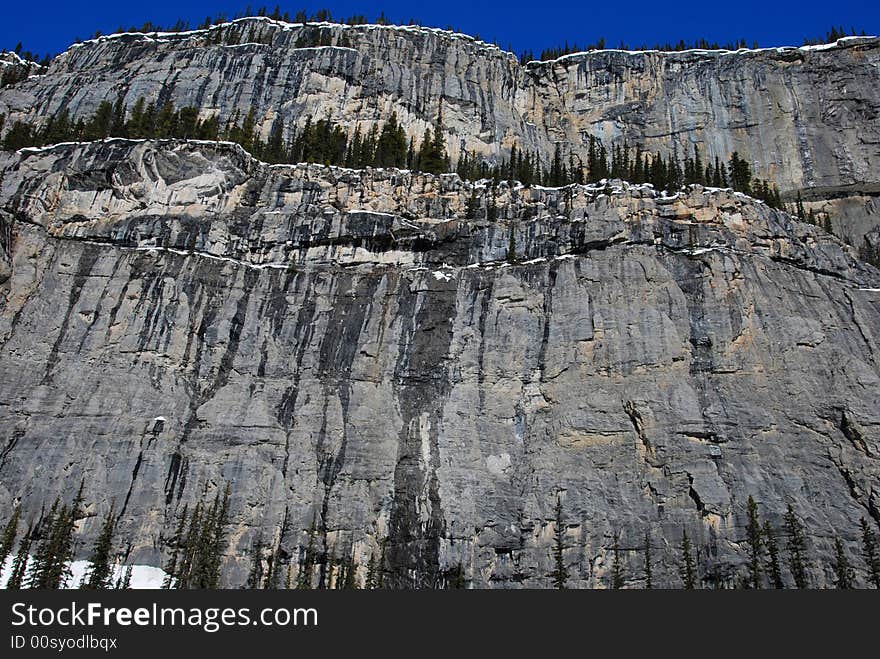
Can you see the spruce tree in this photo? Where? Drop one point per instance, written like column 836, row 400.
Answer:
column 21, row 562
column 871, row 553
column 649, row 578
column 687, row 569
column 370, row 582
column 43, row 554
column 740, row 173
column 753, row 538
column 560, row 572
column 123, row 582
column 843, row 572
column 99, row 573
column 51, row 568
column 796, row 545
column 773, row 569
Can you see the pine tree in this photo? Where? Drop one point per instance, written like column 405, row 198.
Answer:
column 649, row 581
column 797, row 547
column 99, row 574
column 753, row 538
column 843, row 572
column 21, row 561
column 773, row 569
column 687, row 569
column 871, row 553
column 560, row 572
column 7, row 540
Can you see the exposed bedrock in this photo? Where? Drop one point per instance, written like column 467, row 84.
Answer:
column 807, row 118
column 350, row 347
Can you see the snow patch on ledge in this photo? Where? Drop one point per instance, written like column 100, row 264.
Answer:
column 143, row 577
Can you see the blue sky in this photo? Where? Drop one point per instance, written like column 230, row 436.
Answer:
column 51, row 26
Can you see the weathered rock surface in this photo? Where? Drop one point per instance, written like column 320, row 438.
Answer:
column 806, row 117
column 350, row 347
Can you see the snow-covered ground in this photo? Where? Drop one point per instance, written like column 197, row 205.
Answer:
column 143, row 577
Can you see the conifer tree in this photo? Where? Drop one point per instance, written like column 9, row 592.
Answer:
column 123, row 582
column 754, row 540
column 843, row 572
column 649, row 577
column 871, row 553
column 21, row 562
column 457, row 579
column 99, row 573
column 773, row 569
column 687, row 569
column 171, row 568
column 560, row 572
column 797, row 547
column 43, row 554
column 473, row 205
column 826, row 224
column 370, row 582
column 740, row 173
column 51, row 568
column 799, row 208
column 7, row 540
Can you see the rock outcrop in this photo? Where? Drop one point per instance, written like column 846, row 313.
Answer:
column 428, row 365
column 806, row 117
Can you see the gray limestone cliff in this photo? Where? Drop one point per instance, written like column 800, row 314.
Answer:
column 374, row 351
column 806, row 117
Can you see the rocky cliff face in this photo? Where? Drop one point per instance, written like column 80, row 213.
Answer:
column 351, row 347
column 806, row 117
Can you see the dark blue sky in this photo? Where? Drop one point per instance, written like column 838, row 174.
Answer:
column 50, row 26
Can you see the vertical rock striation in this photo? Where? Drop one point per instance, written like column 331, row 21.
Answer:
column 349, row 347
